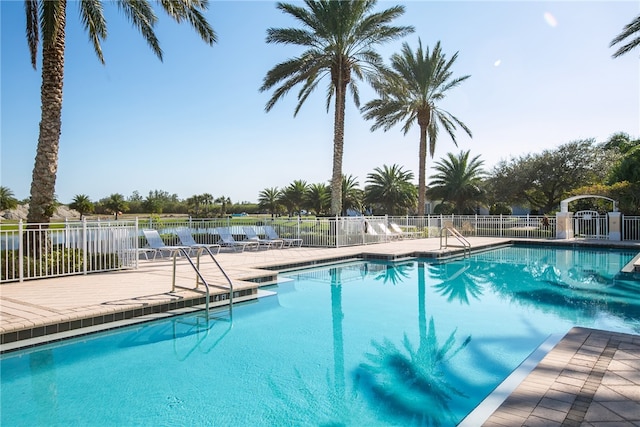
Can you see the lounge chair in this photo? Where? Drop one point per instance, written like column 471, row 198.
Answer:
column 396, row 228
column 157, row 245
column 271, row 234
column 390, row 234
column 227, row 240
column 251, row 234
column 187, row 239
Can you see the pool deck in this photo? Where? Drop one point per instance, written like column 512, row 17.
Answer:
column 590, row 378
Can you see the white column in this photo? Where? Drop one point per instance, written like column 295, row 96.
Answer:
column 564, row 225
column 614, row 225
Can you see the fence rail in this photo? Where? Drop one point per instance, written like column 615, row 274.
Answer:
column 31, row 251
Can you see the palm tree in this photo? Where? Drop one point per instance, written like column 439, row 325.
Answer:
column 116, row 204
column 7, row 200
column 631, row 29
column 47, row 18
column 409, row 94
column 82, row 204
column 293, row 197
column 268, row 199
column 458, row 180
column 339, row 37
column 391, row 188
column 224, row 203
column 352, row 196
column 318, row 198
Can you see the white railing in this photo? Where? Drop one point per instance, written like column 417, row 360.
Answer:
column 34, row 251
column 631, row 228
column 80, row 247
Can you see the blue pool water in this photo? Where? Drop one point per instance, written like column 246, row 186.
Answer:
column 362, row 343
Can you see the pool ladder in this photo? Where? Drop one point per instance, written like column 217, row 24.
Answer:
column 464, row 243
column 199, row 278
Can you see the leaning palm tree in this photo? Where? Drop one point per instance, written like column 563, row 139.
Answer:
column 630, row 30
column 458, row 180
column 391, row 188
column 339, row 37
column 410, row 94
column 46, row 23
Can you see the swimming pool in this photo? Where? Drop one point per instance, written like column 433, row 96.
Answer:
column 360, row 343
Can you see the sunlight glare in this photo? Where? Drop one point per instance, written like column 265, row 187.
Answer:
column 550, row 19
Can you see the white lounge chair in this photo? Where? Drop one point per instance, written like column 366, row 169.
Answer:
column 390, row 234
column 157, row 245
column 271, row 233
column 227, row 240
column 396, row 228
column 251, row 234
column 187, row 239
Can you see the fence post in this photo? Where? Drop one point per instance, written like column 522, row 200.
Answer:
column 137, row 243
column 501, row 225
column 84, row 245
column 20, row 252
column 335, row 227
column 527, row 227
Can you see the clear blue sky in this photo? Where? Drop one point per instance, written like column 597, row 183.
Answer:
column 541, row 75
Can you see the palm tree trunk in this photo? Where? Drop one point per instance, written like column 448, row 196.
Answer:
column 338, row 149
column 43, row 181
column 422, row 169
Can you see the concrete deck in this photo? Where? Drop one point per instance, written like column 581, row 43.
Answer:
column 590, row 378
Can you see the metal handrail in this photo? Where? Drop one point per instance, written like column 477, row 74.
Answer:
column 455, row 233
column 196, row 267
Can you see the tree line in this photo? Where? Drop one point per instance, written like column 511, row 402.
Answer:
column 535, row 181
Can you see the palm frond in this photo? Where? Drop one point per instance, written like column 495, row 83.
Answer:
column 141, row 15
column 629, row 30
column 33, row 29
column 93, row 21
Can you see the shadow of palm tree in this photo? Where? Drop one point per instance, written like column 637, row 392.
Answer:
column 411, row 383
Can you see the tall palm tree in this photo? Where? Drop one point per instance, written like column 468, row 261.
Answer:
column 629, row 30
column 268, row 199
column 339, row 37
column 458, row 180
column 391, row 188
column 410, row 94
column 46, row 23
column 352, row 196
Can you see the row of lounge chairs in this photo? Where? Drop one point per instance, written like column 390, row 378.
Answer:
column 156, row 246
column 392, row 232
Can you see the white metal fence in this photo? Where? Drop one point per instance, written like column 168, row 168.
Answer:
column 36, row 251
column 80, row 247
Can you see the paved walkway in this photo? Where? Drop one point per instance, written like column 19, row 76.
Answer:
column 591, row 378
